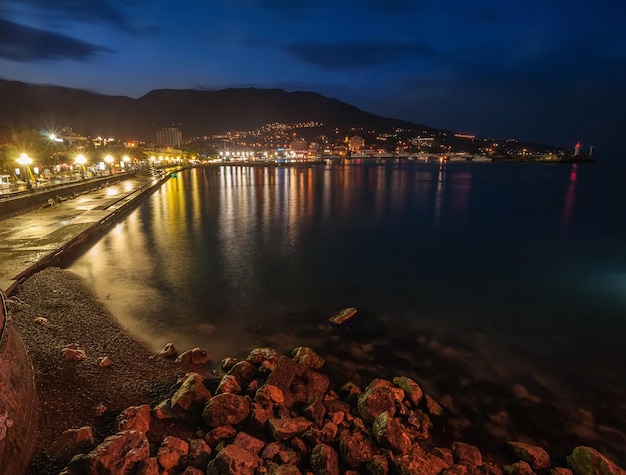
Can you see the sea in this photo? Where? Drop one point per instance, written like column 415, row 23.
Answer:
column 499, row 287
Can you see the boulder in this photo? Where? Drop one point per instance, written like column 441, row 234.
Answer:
column 244, row 371
column 163, row 410
column 72, row 442
column 285, row 470
column 378, row 465
column 258, row 355
column 227, row 363
column 233, row 460
column 250, row 443
column 456, row 469
column 229, row 384
column 535, row 456
column 226, row 409
column 268, row 395
column 355, row 449
column 199, row 454
column 307, row 357
column 149, row 466
column 134, row 418
column 192, row 471
column 324, row 460
column 220, row 434
column 195, row 356
column 417, row 460
column 518, row 468
column 287, row 428
column 390, row 434
column 121, row 453
column 433, row 407
column 375, row 401
column 419, row 425
column 412, row 390
column 171, row 452
column 587, row 461
column 466, row 454
column 191, row 395
column 284, row 375
column 169, row 351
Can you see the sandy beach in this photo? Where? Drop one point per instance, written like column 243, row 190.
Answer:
column 70, row 392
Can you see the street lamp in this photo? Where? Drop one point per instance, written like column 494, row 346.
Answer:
column 109, row 160
column 125, row 160
column 25, row 161
column 81, row 160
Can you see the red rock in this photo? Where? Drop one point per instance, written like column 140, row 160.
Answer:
column 535, row 456
column 466, row 454
column 191, row 395
column 220, row 434
column 375, row 401
column 287, row 428
column 134, row 418
column 195, row 356
column 587, row 461
column 355, row 449
column 226, row 409
column 233, row 460
column 390, row 434
column 72, row 442
column 121, row 453
column 324, row 460
column 171, row 451
column 250, row 443
column 418, row 461
column 307, row 357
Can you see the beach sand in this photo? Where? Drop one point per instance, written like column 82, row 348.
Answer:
column 69, row 392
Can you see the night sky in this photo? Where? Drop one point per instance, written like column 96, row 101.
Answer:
column 543, row 70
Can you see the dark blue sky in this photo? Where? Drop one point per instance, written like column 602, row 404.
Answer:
column 541, row 70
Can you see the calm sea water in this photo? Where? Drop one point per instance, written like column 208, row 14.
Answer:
column 493, row 282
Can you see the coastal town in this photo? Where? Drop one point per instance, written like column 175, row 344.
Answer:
column 30, row 158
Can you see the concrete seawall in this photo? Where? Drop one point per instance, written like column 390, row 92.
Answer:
column 18, row 398
column 23, row 202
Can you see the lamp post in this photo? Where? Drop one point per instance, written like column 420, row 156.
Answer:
column 109, row 160
column 126, row 160
column 25, row 161
column 81, row 160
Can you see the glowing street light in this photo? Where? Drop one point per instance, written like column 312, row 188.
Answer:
column 109, row 160
column 125, row 161
column 25, row 161
column 81, row 160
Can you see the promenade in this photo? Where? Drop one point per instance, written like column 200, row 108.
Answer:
column 39, row 237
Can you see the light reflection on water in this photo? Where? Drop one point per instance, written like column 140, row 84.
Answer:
column 488, row 271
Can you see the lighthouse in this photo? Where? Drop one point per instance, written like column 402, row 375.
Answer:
column 577, row 149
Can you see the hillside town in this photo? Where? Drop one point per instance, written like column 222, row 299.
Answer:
column 29, row 157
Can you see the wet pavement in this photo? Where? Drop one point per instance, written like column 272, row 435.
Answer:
column 28, row 238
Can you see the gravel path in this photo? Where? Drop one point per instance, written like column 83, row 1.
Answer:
column 70, row 391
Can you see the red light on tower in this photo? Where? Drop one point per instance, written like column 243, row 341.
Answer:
column 577, row 149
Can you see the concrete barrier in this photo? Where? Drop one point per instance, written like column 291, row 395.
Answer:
column 26, row 201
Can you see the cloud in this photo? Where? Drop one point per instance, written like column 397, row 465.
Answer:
column 96, row 12
column 357, row 54
column 23, row 43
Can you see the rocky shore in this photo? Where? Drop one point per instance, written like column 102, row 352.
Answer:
column 107, row 405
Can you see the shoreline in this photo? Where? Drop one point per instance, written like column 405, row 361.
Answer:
column 70, row 392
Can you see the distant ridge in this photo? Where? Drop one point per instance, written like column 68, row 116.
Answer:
column 195, row 112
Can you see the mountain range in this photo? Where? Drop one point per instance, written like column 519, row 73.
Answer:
column 194, row 112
